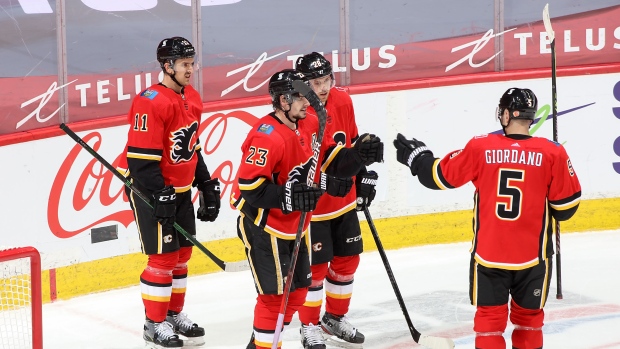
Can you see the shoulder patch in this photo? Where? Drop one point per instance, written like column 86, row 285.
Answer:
column 265, row 128
column 482, row 136
column 556, row 143
column 150, row 94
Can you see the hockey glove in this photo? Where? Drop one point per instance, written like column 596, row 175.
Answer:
column 408, row 152
column 209, row 197
column 299, row 197
column 336, row 186
column 370, row 148
column 164, row 205
column 365, row 188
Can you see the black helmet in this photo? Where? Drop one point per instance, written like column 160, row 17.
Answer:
column 171, row 49
column 313, row 65
column 281, row 83
column 521, row 103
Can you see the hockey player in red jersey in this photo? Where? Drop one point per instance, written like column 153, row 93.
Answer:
column 278, row 162
column 335, row 238
column 163, row 160
column 521, row 182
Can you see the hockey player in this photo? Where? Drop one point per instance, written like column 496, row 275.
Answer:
column 335, row 236
column 521, row 182
column 163, row 160
column 271, row 192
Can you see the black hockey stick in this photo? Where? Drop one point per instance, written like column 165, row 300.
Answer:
column 554, row 107
column 315, row 102
column 424, row 340
column 226, row 266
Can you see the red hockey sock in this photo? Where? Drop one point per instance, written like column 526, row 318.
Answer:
column 310, row 311
column 179, row 280
column 156, row 285
column 339, row 284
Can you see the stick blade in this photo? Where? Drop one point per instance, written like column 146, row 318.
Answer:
column 436, row 342
column 236, row 266
column 547, row 23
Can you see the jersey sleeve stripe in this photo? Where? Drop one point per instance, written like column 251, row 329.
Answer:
column 245, row 184
column 440, row 181
column 567, row 203
column 143, row 156
column 331, row 157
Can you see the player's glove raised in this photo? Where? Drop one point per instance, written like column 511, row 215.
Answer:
column 409, row 152
column 209, row 198
column 370, row 148
column 365, row 188
column 336, row 186
column 164, row 205
column 299, row 197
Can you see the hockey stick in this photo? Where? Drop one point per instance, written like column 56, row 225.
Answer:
column 554, row 106
column 315, row 102
column 422, row 339
column 226, row 266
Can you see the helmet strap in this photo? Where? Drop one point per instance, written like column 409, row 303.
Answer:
column 172, row 76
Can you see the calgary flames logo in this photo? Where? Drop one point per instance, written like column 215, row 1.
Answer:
column 183, row 143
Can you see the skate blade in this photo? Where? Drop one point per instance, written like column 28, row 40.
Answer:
column 337, row 342
column 192, row 342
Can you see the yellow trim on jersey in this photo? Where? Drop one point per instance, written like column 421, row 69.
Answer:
column 252, row 185
column 280, row 234
column 475, row 222
column 123, row 171
column 566, row 206
column 331, row 157
column 332, row 215
column 506, row 266
column 436, row 175
column 545, row 233
column 259, row 216
column 144, row 156
column 183, row 189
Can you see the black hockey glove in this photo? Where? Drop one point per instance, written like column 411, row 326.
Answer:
column 336, row 186
column 365, row 189
column 370, row 148
column 408, row 152
column 209, row 197
column 299, row 197
column 164, row 205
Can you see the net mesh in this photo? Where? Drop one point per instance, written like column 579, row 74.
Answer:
column 15, row 302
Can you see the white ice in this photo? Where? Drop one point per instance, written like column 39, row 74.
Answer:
column 433, row 281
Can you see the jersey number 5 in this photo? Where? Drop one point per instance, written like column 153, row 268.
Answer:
column 510, row 210
column 257, row 156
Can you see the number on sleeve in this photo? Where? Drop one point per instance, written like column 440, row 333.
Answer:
column 257, row 156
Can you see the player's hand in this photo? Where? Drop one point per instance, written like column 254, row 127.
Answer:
column 299, row 197
column 365, row 189
column 209, row 198
column 370, row 148
column 336, row 186
column 164, row 205
column 408, row 152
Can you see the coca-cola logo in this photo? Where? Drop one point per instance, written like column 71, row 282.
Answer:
column 94, row 178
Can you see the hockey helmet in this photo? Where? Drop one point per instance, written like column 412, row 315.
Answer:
column 173, row 48
column 281, row 83
column 520, row 102
column 313, row 65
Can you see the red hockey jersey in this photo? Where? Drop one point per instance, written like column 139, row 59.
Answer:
column 164, row 129
column 340, row 131
column 520, row 183
column 272, row 155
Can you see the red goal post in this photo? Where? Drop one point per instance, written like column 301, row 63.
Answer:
column 20, row 298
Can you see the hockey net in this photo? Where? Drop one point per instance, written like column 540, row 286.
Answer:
column 20, row 298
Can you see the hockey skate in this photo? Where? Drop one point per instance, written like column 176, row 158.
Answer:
column 192, row 333
column 160, row 335
column 339, row 332
column 312, row 337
